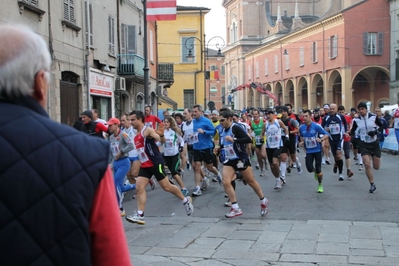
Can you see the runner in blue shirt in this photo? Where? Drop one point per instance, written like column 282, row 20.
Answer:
column 310, row 138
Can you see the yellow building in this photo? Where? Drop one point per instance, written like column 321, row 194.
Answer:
column 176, row 40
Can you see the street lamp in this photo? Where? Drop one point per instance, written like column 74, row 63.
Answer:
column 204, row 55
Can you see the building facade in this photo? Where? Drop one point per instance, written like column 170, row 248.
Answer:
column 394, row 70
column 216, row 91
column 97, row 51
column 307, row 59
column 176, row 40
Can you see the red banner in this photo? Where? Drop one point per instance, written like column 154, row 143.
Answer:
column 158, row 10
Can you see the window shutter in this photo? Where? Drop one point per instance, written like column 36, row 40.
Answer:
column 335, row 46
column 131, row 39
column 312, row 52
column 66, row 10
column 365, row 43
column 315, row 52
column 380, row 43
column 329, row 48
column 123, row 38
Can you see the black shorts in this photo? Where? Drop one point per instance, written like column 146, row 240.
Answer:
column 335, row 145
column 290, row 147
column 372, row 148
column 272, row 153
column 205, row 156
column 233, row 163
column 156, row 171
column 173, row 163
column 355, row 142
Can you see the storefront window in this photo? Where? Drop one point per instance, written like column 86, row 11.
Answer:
column 103, row 105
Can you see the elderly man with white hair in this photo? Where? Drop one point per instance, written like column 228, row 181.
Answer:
column 57, row 197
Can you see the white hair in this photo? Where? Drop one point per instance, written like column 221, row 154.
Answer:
column 25, row 59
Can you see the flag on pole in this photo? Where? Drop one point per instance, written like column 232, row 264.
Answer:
column 212, row 74
column 161, row 10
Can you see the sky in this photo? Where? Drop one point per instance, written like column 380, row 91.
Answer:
column 215, row 21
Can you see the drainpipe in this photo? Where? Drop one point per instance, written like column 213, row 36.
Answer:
column 51, row 49
column 87, row 55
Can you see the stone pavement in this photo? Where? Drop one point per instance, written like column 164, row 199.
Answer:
column 198, row 241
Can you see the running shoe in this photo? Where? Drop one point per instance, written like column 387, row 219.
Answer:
column 278, row 184
column 357, row 163
column 264, row 207
column 205, row 183
column 228, row 204
column 341, row 177
column 181, row 172
column 320, row 188
column 215, row 179
column 299, row 170
column 335, row 168
column 257, row 166
column 226, row 196
column 244, row 182
column 293, row 165
column 196, row 192
column 323, row 162
column 288, row 170
column 233, row 213
column 266, row 166
column 328, row 162
column 373, row 188
column 349, row 173
column 123, row 213
column 360, row 167
column 189, row 206
column 171, row 180
column 283, row 181
column 136, row 218
column 152, row 183
column 219, row 179
column 184, row 191
column 263, row 173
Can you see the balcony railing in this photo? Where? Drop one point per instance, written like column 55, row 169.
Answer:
column 130, row 64
column 165, row 72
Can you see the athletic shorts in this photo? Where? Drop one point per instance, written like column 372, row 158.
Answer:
column 133, row 159
column 335, row 145
column 173, row 163
column 272, row 153
column 355, row 142
column 372, row 149
column 205, row 156
column 290, row 147
column 233, row 163
column 156, row 171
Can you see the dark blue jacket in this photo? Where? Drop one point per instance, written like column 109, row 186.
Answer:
column 48, row 177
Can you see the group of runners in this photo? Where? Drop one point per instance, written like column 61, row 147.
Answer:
column 222, row 143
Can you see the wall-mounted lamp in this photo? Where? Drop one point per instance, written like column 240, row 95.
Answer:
column 285, row 52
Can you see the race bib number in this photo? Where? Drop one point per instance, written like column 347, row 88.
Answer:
column 115, row 148
column 142, row 155
column 273, row 140
column 258, row 140
column 230, row 152
column 334, row 129
column 310, row 143
column 169, row 144
column 192, row 138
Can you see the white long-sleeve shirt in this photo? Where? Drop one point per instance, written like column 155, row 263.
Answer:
column 172, row 142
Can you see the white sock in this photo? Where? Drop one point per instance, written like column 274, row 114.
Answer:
column 185, row 200
column 298, row 164
column 235, row 206
column 283, row 166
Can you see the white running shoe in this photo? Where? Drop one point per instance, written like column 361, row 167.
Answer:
column 283, row 180
column 263, row 172
column 196, row 192
column 152, row 182
column 233, row 213
column 264, row 207
column 136, row 218
column 278, row 184
column 205, row 183
column 189, row 206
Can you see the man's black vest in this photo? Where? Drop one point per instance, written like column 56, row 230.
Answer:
column 90, row 127
column 49, row 174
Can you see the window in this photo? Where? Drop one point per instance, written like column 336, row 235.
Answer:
column 69, row 11
column 287, row 62
column 151, row 46
column 213, row 67
column 373, row 43
column 333, row 46
column 222, row 70
column 275, row 63
column 249, row 72
column 257, row 69
column 186, row 44
column 213, row 89
column 302, row 56
column 128, row 39
column 188, row 98
column 314, row 52
column 111, row 35
column 89, row 27
column 266, row 67
column 233, row 32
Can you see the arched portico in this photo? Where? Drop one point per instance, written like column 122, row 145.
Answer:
column 317, row 92
column 335, row 82
column 302, row 93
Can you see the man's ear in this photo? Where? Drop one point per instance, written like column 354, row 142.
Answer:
column 40, row 88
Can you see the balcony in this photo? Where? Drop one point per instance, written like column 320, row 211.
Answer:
column 130, row 64
column 165, row 72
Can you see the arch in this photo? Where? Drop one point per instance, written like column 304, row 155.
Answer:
column 250, row 95
column 302, row 94
column 290, row 93
column 278, row 91
column 335, row 82
column 386, row 71
column 140, row 101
